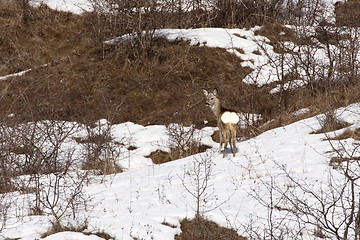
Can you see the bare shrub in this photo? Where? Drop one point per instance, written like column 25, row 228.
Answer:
column 138, row 19
column 314, row 65
column 61, row 195
column 4, row 208
column 273, row 223
column 348, row 133
column 183, row 142
column 35, row 148
column 330, row 122
column 196, row 181
column 44, row 153
column 101, row 152
column 186, row 140
column 332, row 210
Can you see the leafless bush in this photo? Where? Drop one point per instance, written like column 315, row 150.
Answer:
column 330, row 122
column 45, row 154
column 186, row 140
column 101, row 152
column 36, row 148
column 235, row 13
column 317, row 58
column 4, row 207
column 61, row 195
column 331, row 209
column 196, row 181
column 138, row 19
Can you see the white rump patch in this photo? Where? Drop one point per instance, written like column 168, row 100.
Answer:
column 230, row 117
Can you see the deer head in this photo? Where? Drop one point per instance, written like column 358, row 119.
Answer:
column 213, row 101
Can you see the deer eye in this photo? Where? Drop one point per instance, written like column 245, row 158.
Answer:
column 212, row 98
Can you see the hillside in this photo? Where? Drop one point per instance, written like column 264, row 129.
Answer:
column 105, row 134
column 149, row 201
column 76, row 77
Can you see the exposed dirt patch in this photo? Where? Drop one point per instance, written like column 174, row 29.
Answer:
column 201, row 229
column 159, row 157
column 277, row 33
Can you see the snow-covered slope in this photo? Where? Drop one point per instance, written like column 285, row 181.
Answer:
column 74, row 6
column 144, row 201
column 148, row 201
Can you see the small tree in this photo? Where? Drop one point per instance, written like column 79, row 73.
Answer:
column 196, row 181
column 4, row 207
column 61, row 195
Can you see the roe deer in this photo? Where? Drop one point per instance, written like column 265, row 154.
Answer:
column 227, row 121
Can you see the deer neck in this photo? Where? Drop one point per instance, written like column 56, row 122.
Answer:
column 217, row 109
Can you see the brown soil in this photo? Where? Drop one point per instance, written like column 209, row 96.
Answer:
column 201, row 229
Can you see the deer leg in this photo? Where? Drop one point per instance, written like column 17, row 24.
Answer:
column 230, row 140
column 233, row 139
column 226, row 141
column 221, row 141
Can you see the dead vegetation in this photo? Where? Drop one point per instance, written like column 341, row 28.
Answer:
column 335, row 161
column 202, row 229
column 85, row 80
column 348, row 133
column 48, row 37
column 159, row 157
column 348, row 13
column 76, row 77
column 330, row 123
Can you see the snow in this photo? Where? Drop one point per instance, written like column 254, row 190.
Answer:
column 301, row 111
column 245, row 44
column 72, row 236
column 148, row 201
column 257, row 53
column 14, row 75
column 137, row 202
column 288, row 86
column 74, row 6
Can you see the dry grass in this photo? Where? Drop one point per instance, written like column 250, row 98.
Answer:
column 159, row 157
column 348, row 13
column 354, row 134
column 330, row 123
column 202, row 229
column 277, row 33
column 49, row 36
column 102, row 167
column 158, row 86
column 102, row 82
column 96, row 145
column 6, row 185
column 336, row 160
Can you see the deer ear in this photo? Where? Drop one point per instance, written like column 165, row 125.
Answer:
column 205, row 92
column 215, row 91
